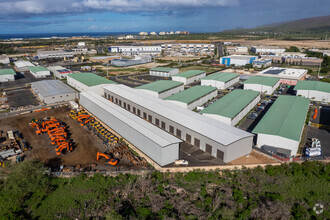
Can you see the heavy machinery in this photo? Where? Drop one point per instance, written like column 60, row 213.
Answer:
column 64, row 146
column 109, row 160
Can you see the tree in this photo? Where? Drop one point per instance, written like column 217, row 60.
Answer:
column 292, row 49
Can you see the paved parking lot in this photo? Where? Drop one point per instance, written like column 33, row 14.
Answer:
column 323, row 136
column 21, row 97
column 20, row 80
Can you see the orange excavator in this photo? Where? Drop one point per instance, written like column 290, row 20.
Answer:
column 109, row 161
column 80, row 118
column 64, row 146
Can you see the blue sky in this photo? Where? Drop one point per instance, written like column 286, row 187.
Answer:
column 52, row 16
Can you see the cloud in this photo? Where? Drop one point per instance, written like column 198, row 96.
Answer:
column 44, row 7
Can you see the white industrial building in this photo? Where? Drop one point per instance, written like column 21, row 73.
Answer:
column 88, row 82
column 7, row 75
column 39, row 71
column 162, row 88
column 262, row 84
column 193, row 97
column 233, row 107
column 280, row 129
column 4, row 59
column 237, row 60
column 131, row 62
column 156, row 143
column 220, row 140
column 163, row 71
column 22, row 65
column 314, row 90
column 60, row 72
column 136, row 50
column 267, row 50
column 262, row 63
column 188, row 48
column 189, row 76
column 287, row 76
column 220, row 80
column 53, row 91
column 48, row 54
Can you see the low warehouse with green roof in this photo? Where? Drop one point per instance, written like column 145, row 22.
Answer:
column 162, row 88
column 39, row 71
column 231, row 108
column 280, row 130
column 189, row 76
column 86, row 82
column 220, row 80
column 315, row 90
column 163, row 71
column 262, row 84
column 193, row 97
column 7, row 75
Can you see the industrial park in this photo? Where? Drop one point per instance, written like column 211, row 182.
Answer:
column 164, row 122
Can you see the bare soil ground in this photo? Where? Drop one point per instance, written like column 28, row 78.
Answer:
column 253, row 158
column 183, row 58
column 86, row 144
column 137, row 68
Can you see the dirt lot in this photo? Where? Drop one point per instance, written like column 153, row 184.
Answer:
column 86, row 144
column 253, row 158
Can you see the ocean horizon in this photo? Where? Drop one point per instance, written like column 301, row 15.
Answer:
column 49, row 35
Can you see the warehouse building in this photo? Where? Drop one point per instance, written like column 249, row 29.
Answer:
column 262, row 63
column 39, row 71
column 157, row 144
column 136, row 50
column 88, row 82
column 163, row 71
column 7, row 75
column 22, row 65
column 59, row 72
column 220, row 80
column 262, row 84
column 220, row 140
column 104, row 59
column 4, row 59
column 162, row 88
column 189, row 76
column 130, row 62
column 287, row 76
column 193, row 97
column 237, row 60
column 233, row 107
column 53, row 91
column 280, row 129
column 314, row 90
column 267, row 50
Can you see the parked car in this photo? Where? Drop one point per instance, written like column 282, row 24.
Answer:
column 253, row 116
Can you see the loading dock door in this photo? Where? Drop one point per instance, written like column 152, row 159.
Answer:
column 220, row 154
column 208, row 149
column 197, row 142
column 188, row 138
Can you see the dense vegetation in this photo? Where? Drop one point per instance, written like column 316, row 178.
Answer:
column 277, row 192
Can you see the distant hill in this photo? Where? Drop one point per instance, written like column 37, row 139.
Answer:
column 306, row 25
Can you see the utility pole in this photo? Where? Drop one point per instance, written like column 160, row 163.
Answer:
column 107, row 70
column 318, row 74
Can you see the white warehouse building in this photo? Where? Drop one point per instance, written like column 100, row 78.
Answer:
column 162, row 88
column 156, row 143
column 233, row 107
column 314, row 90
column 4, row 59
column 237, row 60
column 267, row 50
column 39, row 71
column 163, row 71
column 262, row 84
column 220, row 80
column 7, row 75
column 88, row 82
column 193, row 97
column 189, row 76
column 280, row 130
column 22, row 65
column 220, row 140
column 53, row 91
column 59, row 72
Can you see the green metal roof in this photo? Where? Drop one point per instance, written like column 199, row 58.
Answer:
column 190, row 95
column 190, row 73
column 313, row 85
column 90, row 79
column 35, row 69
column 262, row 80
column 231, row 104
column 222, row 77
column 7, row 72
column 286, row 117
column 162, row 69
column 160, row 85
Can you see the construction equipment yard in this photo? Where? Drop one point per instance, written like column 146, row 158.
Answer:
column 85, row 143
